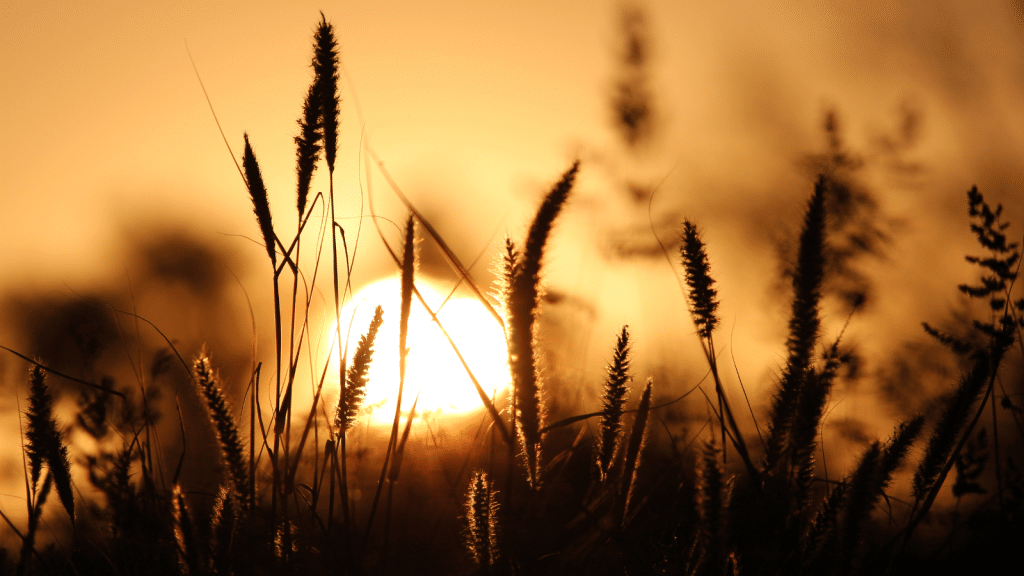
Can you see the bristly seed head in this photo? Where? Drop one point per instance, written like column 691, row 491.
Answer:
column 614, row 403
column 481, row 515
column 260, row 202
column 522, row 306
column 232, row 449
column 703, row 302
column 46, row 442
column 325, row 64
column 356, row 379
column 307, row 143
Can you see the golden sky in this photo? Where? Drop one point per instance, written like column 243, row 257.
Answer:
column 477, row 107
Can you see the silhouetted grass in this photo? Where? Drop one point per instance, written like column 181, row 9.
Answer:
column 556, row 498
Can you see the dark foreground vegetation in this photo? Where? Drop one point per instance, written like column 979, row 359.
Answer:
column 537, row 496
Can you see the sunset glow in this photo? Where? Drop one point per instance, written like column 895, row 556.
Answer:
column 434, row 371
column 759, row 268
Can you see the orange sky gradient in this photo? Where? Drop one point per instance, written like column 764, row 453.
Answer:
column 476, row 108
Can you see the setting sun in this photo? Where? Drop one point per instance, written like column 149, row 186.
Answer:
column 434, row 371
column 758, row 269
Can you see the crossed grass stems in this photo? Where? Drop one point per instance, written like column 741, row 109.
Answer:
column 278, row 517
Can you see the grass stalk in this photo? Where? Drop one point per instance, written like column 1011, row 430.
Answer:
column 407, row 286
column 703, row 304
column 804, row 324
column 632, row 462
column 614, row 402
column 523, row 307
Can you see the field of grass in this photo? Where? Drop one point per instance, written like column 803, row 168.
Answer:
column 291, row 480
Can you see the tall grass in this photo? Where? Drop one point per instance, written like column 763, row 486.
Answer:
column 293, row 495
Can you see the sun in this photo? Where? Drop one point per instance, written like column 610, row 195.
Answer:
column 434, row 372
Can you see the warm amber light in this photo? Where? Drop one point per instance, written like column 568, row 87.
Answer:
column 433, row 370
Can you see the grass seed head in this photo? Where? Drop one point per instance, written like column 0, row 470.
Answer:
column 260, row 202
column 614, row 403
column 351, row 400
column 703, row 296
column 325, row 64
column 308, row 144
column 804, row 323
column 523, row 304
column 482, row 538
column 232, row 449
column 45, row 443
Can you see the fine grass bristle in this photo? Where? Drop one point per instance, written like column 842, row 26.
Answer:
column 523, row 304
column 223, row 521
column 260, row 202
column 482, row 538
column 822, row 529
column 614, row 403
column 804, row 323
column 863, row 493
column 34, row 514
column 712, row 504
column 806, row 421
column 230, row 442
column 703, row 302
column 325, row 65
column 308, row 143
column 45, row 442
column 506, row 272
column 117, row 487
column 350, row 402
column 408, row 279
column 185, row 533
column 951, row 424
column 897, row 447
column 637, row 435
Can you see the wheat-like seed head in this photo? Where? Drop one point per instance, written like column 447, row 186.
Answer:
column 523, row 305
column 951, row 424
column 325, row 64
column 308, row 143
column 185, row 533
column 804, row 323
column 260, row 202
column 230, row 441
column 703, row 301
column 483, row 535
column 351, row 399
column 614, row 403
column 863, row 493
column 45, row 442
column 637, row 436
column 712, row 504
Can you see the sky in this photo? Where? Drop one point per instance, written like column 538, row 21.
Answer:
column 476, row 109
